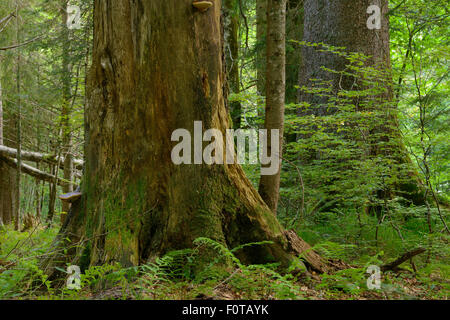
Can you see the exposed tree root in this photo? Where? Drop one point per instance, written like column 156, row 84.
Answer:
column 313, row 261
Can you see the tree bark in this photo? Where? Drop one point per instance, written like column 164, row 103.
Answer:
column 269, row 186
column 231, row 41
column 7, row 175
column 17, row 213
column 66, row 110
column 344, row 24
column 294, row 31
column 157, row 66
column 261, row 30
column 1, row 113
column 341, row 24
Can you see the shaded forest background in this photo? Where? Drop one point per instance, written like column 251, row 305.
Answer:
column 366, row 154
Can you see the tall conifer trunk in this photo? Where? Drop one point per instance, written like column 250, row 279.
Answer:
column 66, row 108
column 344, row 24
column 231, row 41
column 269, row 185
column 7, row 174
column 261, row 30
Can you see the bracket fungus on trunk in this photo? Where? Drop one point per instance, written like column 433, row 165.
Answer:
column 202, row 6
column 71, row 197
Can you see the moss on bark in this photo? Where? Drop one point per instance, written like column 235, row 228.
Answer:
column 157, row 67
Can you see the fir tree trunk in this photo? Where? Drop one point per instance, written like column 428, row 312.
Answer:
column 344, row 24
column 294, row 31
column 66, row 110
column 231, row 41
column 7, row 174
column 17, row 212
column 269, row 185
column 261, row 30
column 294, row 34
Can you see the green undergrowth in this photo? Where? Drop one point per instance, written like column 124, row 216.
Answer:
column 177, row 275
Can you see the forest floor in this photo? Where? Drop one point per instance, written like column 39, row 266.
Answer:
column 401, row 287
column 175, row 276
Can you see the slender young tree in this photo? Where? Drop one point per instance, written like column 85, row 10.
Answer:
column 17, row 214
column 269, row 185
column 261, row 29
column 1, row 113
column 231, row 41
column 66, row 111
column 8, row 189
column 7, row 174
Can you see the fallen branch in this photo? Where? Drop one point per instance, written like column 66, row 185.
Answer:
column 41, row 175
column 11, row 15
column 21, row 44
column 405, row 257
column 6, row 21
column 37, row 157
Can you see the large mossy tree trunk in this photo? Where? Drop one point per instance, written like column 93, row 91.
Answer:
column 157, row 66
column 344, row 24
